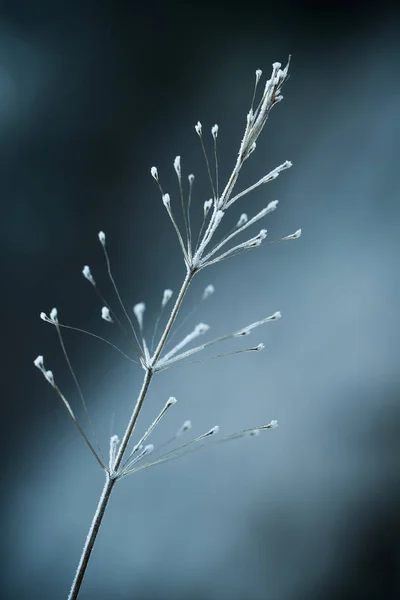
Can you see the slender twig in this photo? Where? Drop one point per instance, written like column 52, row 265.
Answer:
column 111, row 479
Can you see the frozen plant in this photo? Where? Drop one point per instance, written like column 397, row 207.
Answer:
column 199, row 251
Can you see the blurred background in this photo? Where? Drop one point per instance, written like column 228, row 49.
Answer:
column 92, row 94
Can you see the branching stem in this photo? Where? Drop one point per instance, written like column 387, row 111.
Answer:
column 112, row 479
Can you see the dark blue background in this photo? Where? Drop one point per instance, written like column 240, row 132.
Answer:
column 92, row 94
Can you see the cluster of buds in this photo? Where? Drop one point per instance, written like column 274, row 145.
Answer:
column 206, row 251
column 201, row 256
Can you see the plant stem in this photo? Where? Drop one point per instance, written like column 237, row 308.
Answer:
column 91, row 537
column 111, row 480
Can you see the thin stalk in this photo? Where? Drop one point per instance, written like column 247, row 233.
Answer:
column 111, row 480
column 171, row 320
column 91, row 537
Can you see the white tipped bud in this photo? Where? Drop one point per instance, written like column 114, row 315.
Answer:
column 273, row 424
column 259, row 347
column 191, row 178
column 242, row 220
column 277, row 315
column 252, row 148
column 208, row 291
column 167, row 201
column 87, row 274
column 147, row 449
column 177, row 167
column 105, row 314
column 212, row 431
column 274, row 174
column 49, row 376
column 272, row 206
column 154, row 173
column 293, row 236
column 256, row 241
column 276, row 66
column 185, row 427
column 258, row 75
column 38, row 362
column 198, row 128
column 207, row 206
column 102, row 238
column 214, row 131
column 53, row 317
column 249, row 328
column 138, row 310
column 200, row 329
column 170, row 402
column 166, row 297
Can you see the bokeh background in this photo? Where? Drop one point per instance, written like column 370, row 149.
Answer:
column 92, row 94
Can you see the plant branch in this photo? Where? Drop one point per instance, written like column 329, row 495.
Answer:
column 113, row 476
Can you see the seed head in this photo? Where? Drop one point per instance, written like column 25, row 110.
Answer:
column 242, row 220
column 208, row 291
column 87, row 274
column 138, row 310
column 166, row 297
column 105, row 314
column 293, row 236
column 198, row 128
